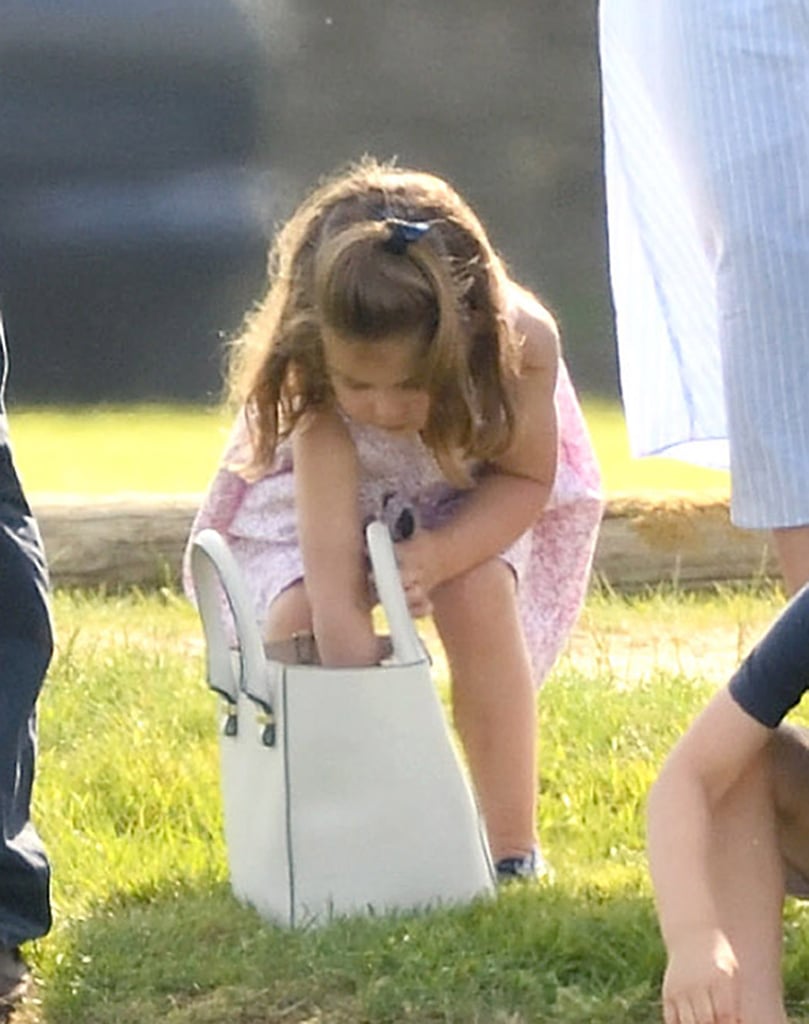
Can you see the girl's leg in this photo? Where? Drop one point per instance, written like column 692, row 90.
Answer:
column 289, row 613
column 494, row 700
column 747, row 876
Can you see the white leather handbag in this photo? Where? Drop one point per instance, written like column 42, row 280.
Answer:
column 343, row 791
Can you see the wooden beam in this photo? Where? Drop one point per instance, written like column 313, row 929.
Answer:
column 678, row 539
column 138, row 540
column 131, row 540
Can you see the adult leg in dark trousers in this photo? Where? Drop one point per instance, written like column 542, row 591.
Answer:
column 25, row 650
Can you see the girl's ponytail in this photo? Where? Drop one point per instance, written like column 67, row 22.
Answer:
column 378, row 252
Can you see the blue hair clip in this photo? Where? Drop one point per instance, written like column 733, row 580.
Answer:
column 404, row 233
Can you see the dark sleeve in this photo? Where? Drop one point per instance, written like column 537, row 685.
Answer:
column 775, row 674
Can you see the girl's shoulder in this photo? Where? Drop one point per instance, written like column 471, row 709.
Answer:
column 321, row 427
column 536, row 328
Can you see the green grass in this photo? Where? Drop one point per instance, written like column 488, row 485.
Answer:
column 108, row 449
column 174, row 449
column 146, row 929
column 127, row 794
column 624, row 474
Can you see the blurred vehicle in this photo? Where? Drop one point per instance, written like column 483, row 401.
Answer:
column 134, row 176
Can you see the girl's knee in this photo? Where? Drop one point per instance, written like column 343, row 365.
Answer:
column 493, row 578
column 289, row 613
column 481, row 603
column 478, row 609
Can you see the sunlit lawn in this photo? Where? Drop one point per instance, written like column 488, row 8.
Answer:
column 174, row 449
column 146, row 929
column 127, row 793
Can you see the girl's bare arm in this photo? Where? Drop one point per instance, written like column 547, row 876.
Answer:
column 510, row 496
column 326, row 492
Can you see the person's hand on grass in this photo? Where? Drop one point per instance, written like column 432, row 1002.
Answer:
column 701, row 985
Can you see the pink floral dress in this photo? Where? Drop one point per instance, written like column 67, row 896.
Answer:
column 551, row 561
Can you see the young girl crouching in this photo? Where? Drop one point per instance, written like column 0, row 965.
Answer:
column 394, row 365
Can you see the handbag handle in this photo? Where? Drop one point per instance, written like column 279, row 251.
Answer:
column 213, row 565
column 407, row 647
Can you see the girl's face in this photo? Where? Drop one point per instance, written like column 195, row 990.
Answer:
column 379, row 383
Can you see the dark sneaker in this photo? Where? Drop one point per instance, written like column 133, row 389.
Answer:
column 14, row 976
column 529, row 867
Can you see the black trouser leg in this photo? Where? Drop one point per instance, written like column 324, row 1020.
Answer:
column 25, row 651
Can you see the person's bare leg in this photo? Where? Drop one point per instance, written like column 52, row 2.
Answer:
column 792, row 549
column 791, row 780
column 494, row 700
column 747, row 876
column 289, row 613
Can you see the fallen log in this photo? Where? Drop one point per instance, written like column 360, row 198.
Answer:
column 126, row 540
column 678, row 539
column 138, row 540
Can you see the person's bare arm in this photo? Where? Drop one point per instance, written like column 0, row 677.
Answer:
column 713, row 754
column 330, row 534
column 512, row 493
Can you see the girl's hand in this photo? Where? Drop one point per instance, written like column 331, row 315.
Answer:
column 347, row 639
column 419, row 570
column 701, row 985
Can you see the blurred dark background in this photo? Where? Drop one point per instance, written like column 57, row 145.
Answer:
column 150, row 146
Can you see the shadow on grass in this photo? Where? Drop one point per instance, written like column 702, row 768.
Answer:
column 195, row 956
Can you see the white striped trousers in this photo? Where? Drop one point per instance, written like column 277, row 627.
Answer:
column 706, row 122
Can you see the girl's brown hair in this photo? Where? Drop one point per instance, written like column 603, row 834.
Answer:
column 333, row 266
